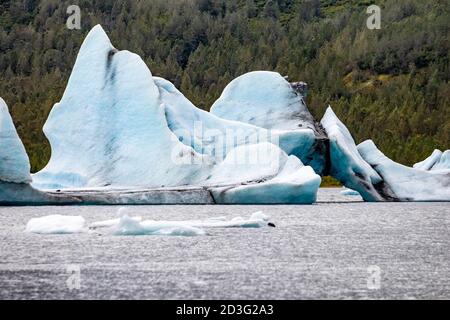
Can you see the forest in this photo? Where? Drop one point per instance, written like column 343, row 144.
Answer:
column 390, row 85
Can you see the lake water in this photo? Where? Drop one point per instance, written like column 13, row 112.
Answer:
column 345, row 249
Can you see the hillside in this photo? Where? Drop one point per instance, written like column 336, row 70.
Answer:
column 391, row 85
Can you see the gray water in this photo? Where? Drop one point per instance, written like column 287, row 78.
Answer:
column 324, row 251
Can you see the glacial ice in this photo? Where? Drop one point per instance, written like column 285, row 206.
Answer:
column 294, row 184
column 347, row 165
column 408, row 184
column 444, row 162
column 437, row 161
column 56, row 224
column 265, row 99
column 134, row 226
column 215, row 137
column 110, row 129
column 128, row 129
column 121, row 136
column 349, row 192
column 429, row 162
column 14, row 163
column 131, row 227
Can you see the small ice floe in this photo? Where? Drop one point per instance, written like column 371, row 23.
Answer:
column 134, row 226
column 56, row 224
column 130, row 226
column 349, row 192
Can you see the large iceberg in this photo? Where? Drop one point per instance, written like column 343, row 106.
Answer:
column 408, row 184
column 348, row 166
column 120, row 135
column 15, row 176
column 267, row 100
column 110, row 129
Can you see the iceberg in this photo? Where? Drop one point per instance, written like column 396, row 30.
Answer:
column 15, row 175
column 121, row 136
column 56, row 224
column 408, row 184
column 109, row 129
column 267, row 100
column 289, row 182
column 348, row 166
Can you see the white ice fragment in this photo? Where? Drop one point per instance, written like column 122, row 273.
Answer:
column 56, row 224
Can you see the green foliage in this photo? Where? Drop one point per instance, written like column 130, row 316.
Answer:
column 391, row 85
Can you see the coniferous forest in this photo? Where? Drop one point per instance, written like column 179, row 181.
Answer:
column 390, row 85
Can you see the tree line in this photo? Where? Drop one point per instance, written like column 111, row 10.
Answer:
column 390, row 85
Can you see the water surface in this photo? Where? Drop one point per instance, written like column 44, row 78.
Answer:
column 320, row 251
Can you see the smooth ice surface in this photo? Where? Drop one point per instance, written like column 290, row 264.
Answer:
column 294, row 184
column 429, row 162
column 56, row 224
column 407, row 183
column 347, row 165
column 249, row 163
column 264, row 99
column 14, row 163
column 110, row 129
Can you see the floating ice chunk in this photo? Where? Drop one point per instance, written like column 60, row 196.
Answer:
column 127, row 226
column 429, row 162
column 294, row 184
column 56, row 224
column 407, row 183
column 14, row 163
column 347, row 165
column 349, row 192
column 130, row 227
